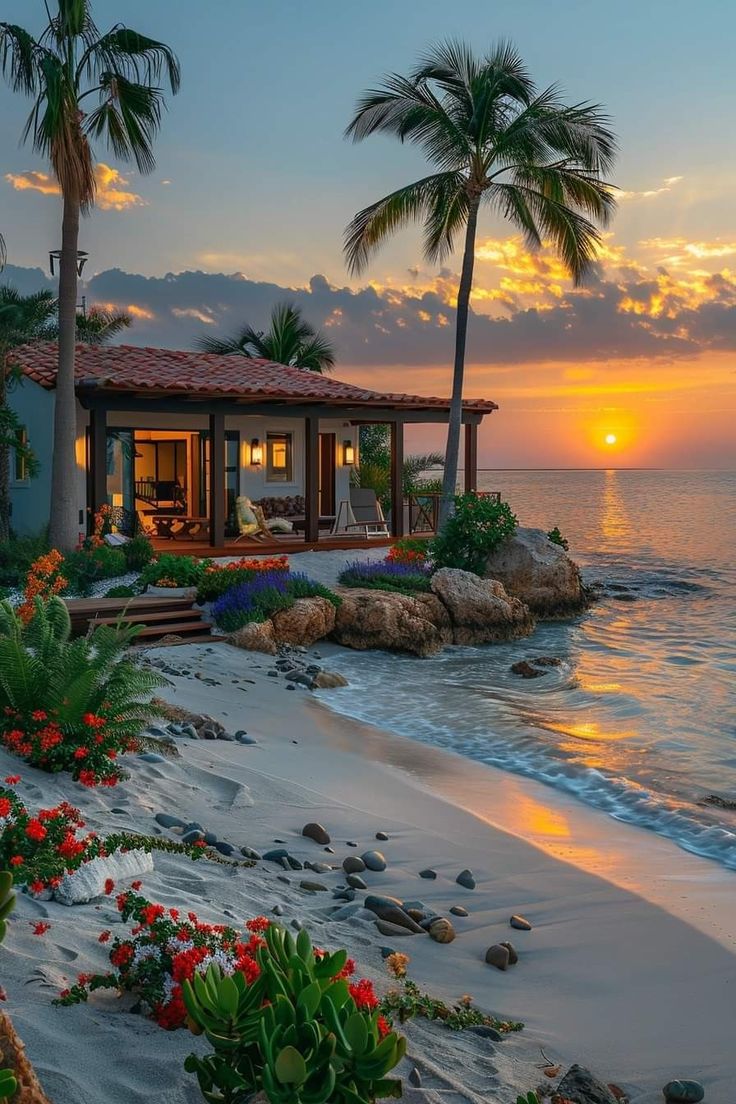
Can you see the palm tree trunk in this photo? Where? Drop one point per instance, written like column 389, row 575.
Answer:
column 64, row 526
column 452, row 451
column 4, row 459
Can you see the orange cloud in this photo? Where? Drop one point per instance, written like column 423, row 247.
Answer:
column 667, row 185
column 111, row 193
column 193, row 312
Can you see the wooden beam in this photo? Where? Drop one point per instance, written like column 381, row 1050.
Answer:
column 471, row 458
column 397, row 479
column 217, row 479
column 98, row 459
column 311, row 479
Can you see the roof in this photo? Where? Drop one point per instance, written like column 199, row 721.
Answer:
column 149, row 372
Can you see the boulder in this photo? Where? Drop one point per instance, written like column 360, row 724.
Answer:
column 579, row 1086
column 419, row 623
column 481, row 612
column 257, row 636
column 328, row 680
column 306, row 622
column 539, row 573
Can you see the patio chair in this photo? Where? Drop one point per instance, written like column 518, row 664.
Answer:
column 362, row 511
column 253, row 525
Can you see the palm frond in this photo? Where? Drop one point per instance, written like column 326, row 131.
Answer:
column 19, row 58
column 290, row 340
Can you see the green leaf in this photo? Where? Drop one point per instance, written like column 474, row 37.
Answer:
column 356, row 1033
column 309, row 999
column 290, row 1068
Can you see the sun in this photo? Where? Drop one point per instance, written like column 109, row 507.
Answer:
column 611, row 438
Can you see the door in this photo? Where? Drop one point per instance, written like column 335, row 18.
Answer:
column 327, row 453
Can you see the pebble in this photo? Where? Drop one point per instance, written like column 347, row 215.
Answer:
column 166, row 820
column 224, row 848
column 397, row 918
column 386, row 952
column 683, row 1092
column 385, row 927
column 330, row 850
column 415, row 1078
column 250, row 853
column 193, row 836
column 244, row 738
column 272, row 674
column 513, row 955
column 346, row 912
column 374, row 860
column 525, row 670
column 441, row 930
column 151, row 757
column 350, row 843
column 276, row 854
column 316, row 832
column 192, row 825
column 344, row 894
column 210, row 838
column 458, row 910
column 465, row 878
column 296, row 924
column 383, row 836
column 429, row 874
column 317, row 867
column 313, row 887
column 278, row 910
column 498, row 956
column 520, row 923
column 353, row 865
column 485, row 1031
column 356, row 882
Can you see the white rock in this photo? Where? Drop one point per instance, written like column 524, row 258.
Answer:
column 88, row 881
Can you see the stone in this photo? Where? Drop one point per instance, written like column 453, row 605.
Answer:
column 318, row 867
column 465, row 879
column 485, row 1031
column 329, row 680
column 458, row 910
column 276, row 854
column 383, row 836
column 344, row 894
column 416, row 914
column 306, row 621
column 498, row 956
column 397, row 918
column 351, row 864
column 441, row 930
column 313, row 887
column 224, row 848
column 346, row 912
column 525, row 670
column 374, row 860
column 480, row 610
column 430, row 875
column 151, row 757
column 316, row 832
column 379, row 900
column 256, row 636
column 547, row 661
column 513, row 953
column 415, row 1078
column 356, row 882
column 88, row 881
column 278, row 910
column 251, row 853
column 683, row 1092
column 192, row 836
column 580, row 1087
column 520, row 923
column 367, row 619
column 210, row 838
column 166, row 820
column 385, row 927
column 244, row 738
column 539, row 573
column 193, row 826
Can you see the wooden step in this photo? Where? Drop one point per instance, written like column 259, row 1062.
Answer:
column 143, row 618
column 180, row 628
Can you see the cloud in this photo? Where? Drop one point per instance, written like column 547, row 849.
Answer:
column 112, row 188
column 666, row 186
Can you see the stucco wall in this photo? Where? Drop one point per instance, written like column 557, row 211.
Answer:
column 30, row 499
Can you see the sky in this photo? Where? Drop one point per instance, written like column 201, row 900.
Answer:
column 255, row 183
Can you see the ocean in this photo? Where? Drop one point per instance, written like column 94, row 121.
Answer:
column 639, row 720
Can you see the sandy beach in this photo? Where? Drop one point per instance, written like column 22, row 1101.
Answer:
column 629, row 969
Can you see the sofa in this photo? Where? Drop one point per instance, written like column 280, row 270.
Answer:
column 291, row 506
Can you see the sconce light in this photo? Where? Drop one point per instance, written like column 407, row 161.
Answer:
column 117, row 500
column 348, row 452
column 256, row 453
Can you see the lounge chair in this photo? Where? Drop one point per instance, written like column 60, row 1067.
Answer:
column 363, row 511
column 252, row 525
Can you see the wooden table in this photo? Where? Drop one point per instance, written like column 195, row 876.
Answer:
column 180, row 526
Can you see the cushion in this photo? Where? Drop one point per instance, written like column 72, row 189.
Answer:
column 279, row 525
column 244, row 513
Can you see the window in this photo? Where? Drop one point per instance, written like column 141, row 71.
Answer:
column 279, row 463
column 21, row 459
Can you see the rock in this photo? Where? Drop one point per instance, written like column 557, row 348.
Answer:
column 485, row 1031
column 383, row 836
column 385, row 927
column 465, row 879
column 88, row 882
column 344, row 894
column 313, row 887
column 379, row 900
column 151, row 757
column 367, row 619
column 374, row 860
column 430, row 875
column 398, row 917
column 481, row 612
column 328, row 680
column 683, row 1092
column 192, row 836
column 579, row 1086
column 210, row 838
column 166, row 820
column 256, row 636
column 278, row 910
column 520, row 923
column 318, row 868
column 547, row 661
column 416, row 914
column 539, row 573
column 458, row 910
column 498, row 956
column 415, row 1078
column 351, row 864
column 251, row 853
column 346, row 912
column 513, row 954
column 441, row 930
column 356, row 882
column 525, row 670
column 224, row 848
column 308, row 620
column 244, row 738
column 316, row 832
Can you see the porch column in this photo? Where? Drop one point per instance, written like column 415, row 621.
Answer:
column 471, row 457
column 98, row 458
column 397, row 478
column 311, row 478
column 217, row 479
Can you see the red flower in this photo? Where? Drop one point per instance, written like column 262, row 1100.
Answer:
column 151, row 913
column 40, row 927
column 35, row 830
column 109, row 886
column 39, row 715
column 12, row 779
column 63, row 994
column 103, row 937
column 258, row 924
column 5, row 806
column 81, row 753
column 37, row 887
column 16, row 860
column 136, row 885
column 93, row 721
column 363, row 995
column 121, row 956
column 84, row 979
column 347, row 971
column 88, row 778
column 384, row 1027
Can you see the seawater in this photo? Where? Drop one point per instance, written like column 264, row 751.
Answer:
column 639, row 720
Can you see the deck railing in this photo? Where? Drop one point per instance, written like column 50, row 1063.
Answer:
column 422, row 511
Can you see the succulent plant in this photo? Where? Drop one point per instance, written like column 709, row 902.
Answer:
column 530, row 1098
column 295, row 1032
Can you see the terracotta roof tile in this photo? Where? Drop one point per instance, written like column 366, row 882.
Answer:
column 206, row 375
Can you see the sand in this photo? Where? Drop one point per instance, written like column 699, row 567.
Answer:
column 629, row 969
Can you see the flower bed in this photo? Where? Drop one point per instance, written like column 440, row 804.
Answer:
column 218, row 578
column 170, row 571
column 406, row 578
column 262, row 594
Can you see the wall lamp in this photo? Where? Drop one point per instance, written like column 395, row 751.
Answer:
column 256, row 453
column 348, row 453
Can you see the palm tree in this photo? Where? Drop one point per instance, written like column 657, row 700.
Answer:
column 67, row 65
column 495, row 140
column 291, row 340
column 97, row 326
column 23, row 318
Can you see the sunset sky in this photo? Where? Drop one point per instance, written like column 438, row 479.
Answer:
column 255, row 184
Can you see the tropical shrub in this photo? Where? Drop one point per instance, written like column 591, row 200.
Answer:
column 299, row 585
column 72, row 705
column 44, row 580
column 169, row 570
column 217, row 578
column 121, row 592
column 255, row 599
column 387, row 575
column 90, row 564
column 556, row 537
column 39, row 849
column 476, row 528
column 17, row 555
column 412, row 551
column 138, row 552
